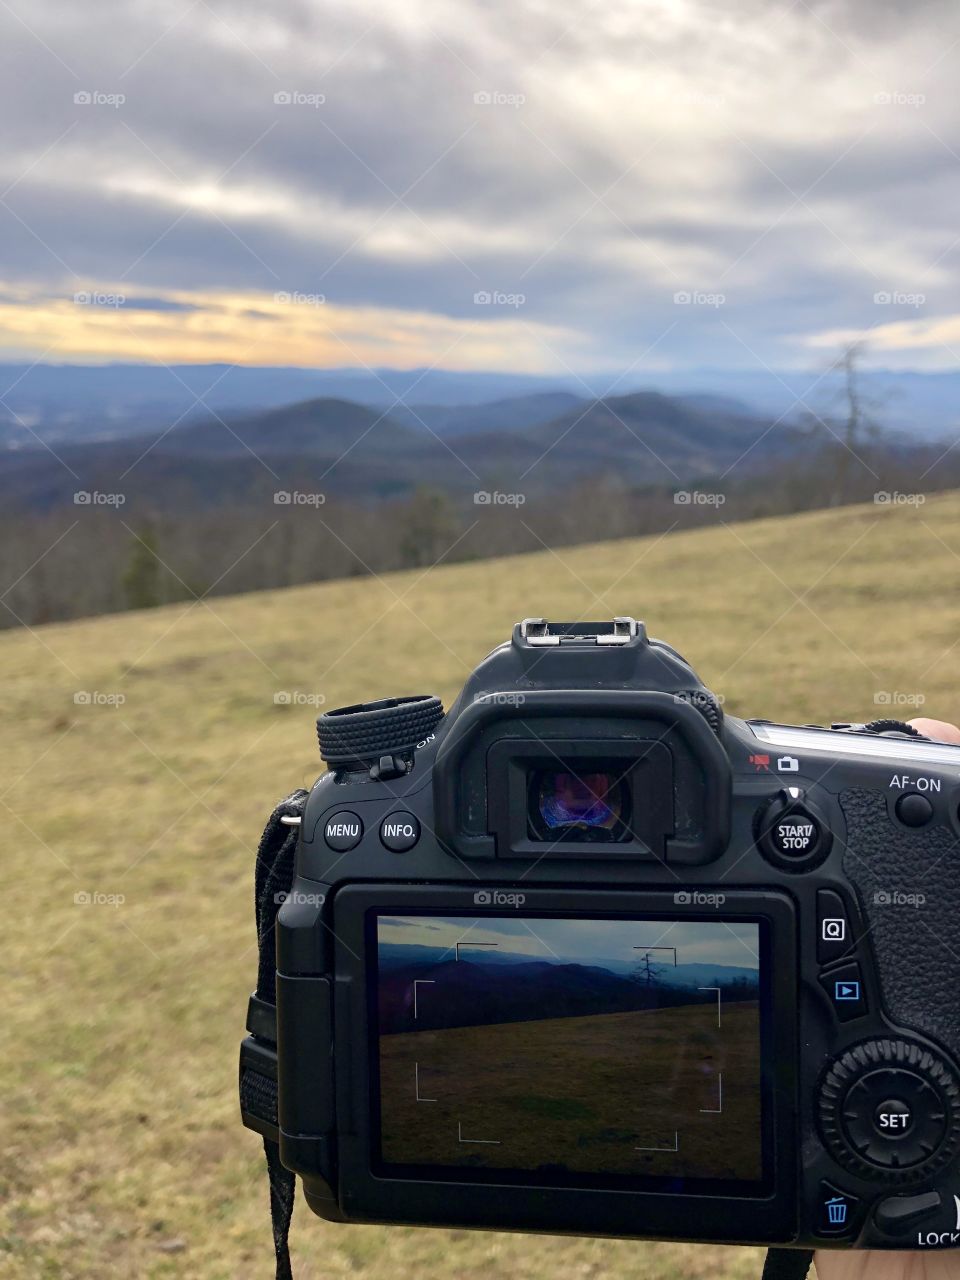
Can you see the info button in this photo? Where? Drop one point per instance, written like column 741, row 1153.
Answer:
column 399, row 831
column 343, row 831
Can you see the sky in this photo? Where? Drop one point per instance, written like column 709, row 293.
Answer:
column 582, row 941
column 636, row 185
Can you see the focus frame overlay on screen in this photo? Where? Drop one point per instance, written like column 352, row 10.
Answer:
column 597, row 1051
column 572, row 1094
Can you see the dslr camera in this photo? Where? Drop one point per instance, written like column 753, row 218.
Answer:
column 586, row 955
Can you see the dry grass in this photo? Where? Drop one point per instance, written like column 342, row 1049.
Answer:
column 122, row 1151
column 606, row 1083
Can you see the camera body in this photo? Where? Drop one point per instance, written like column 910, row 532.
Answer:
column 586, row 955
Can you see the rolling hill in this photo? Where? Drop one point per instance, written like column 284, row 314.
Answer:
column 65, row 402
column 495, row 415
column 132, row 817
column 358, row 453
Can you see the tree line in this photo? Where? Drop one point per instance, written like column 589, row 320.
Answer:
column 85, row 560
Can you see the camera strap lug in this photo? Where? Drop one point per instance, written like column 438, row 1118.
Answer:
column 262, row 1019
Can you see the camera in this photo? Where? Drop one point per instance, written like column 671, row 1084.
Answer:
column 588, row 955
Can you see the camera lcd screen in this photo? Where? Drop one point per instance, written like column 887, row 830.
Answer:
column 571, row 1050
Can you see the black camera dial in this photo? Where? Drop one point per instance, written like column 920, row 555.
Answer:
column 364, row 733
column 890, row 1109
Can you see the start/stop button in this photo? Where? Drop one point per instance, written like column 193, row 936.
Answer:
column 791, row 833
column 795, row 834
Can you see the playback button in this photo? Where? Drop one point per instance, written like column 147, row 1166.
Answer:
column 844, row 986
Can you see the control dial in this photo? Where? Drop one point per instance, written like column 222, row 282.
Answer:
column 369, row 731
column 890, row 1109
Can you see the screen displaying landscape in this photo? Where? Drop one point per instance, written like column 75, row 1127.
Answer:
column 571, row 1047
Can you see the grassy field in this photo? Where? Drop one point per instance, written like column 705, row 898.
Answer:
column 584, row 1093
column 122, row 1153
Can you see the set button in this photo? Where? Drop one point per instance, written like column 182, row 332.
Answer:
column 892, row 1118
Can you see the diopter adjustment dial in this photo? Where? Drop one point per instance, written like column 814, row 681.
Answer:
column 367, row 731
column 890, row 1109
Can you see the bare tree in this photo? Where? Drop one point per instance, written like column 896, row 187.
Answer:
column 647, row 972
column 847, row 434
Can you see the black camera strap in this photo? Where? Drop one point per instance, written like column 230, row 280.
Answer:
column 274, row 877
column 787, row 1264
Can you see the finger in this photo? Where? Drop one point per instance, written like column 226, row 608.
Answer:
column 940, row 730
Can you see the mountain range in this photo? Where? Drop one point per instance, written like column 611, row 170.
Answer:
column 532, row 445
column 391, row 955
column 69, row 403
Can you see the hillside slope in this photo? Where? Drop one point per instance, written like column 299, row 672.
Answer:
column 124, row 1152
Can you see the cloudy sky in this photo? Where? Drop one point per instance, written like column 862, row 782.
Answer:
column 582, row 941
column 515, row 184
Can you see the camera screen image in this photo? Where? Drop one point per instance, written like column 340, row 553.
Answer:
column 585, row 1051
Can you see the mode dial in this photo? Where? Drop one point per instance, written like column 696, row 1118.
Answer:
column 364, row 733
column 890, row 1109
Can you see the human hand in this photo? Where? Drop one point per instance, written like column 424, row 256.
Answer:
column 878, row 1264
column 939, row 730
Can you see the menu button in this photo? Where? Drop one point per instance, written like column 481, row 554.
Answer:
column 343, row 831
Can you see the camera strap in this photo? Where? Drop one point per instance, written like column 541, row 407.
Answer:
column 273, row 879
column 787, row 1264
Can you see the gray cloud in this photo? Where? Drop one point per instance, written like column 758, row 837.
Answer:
column 657, row 148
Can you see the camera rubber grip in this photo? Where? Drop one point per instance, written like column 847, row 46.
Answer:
column 910, row 897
